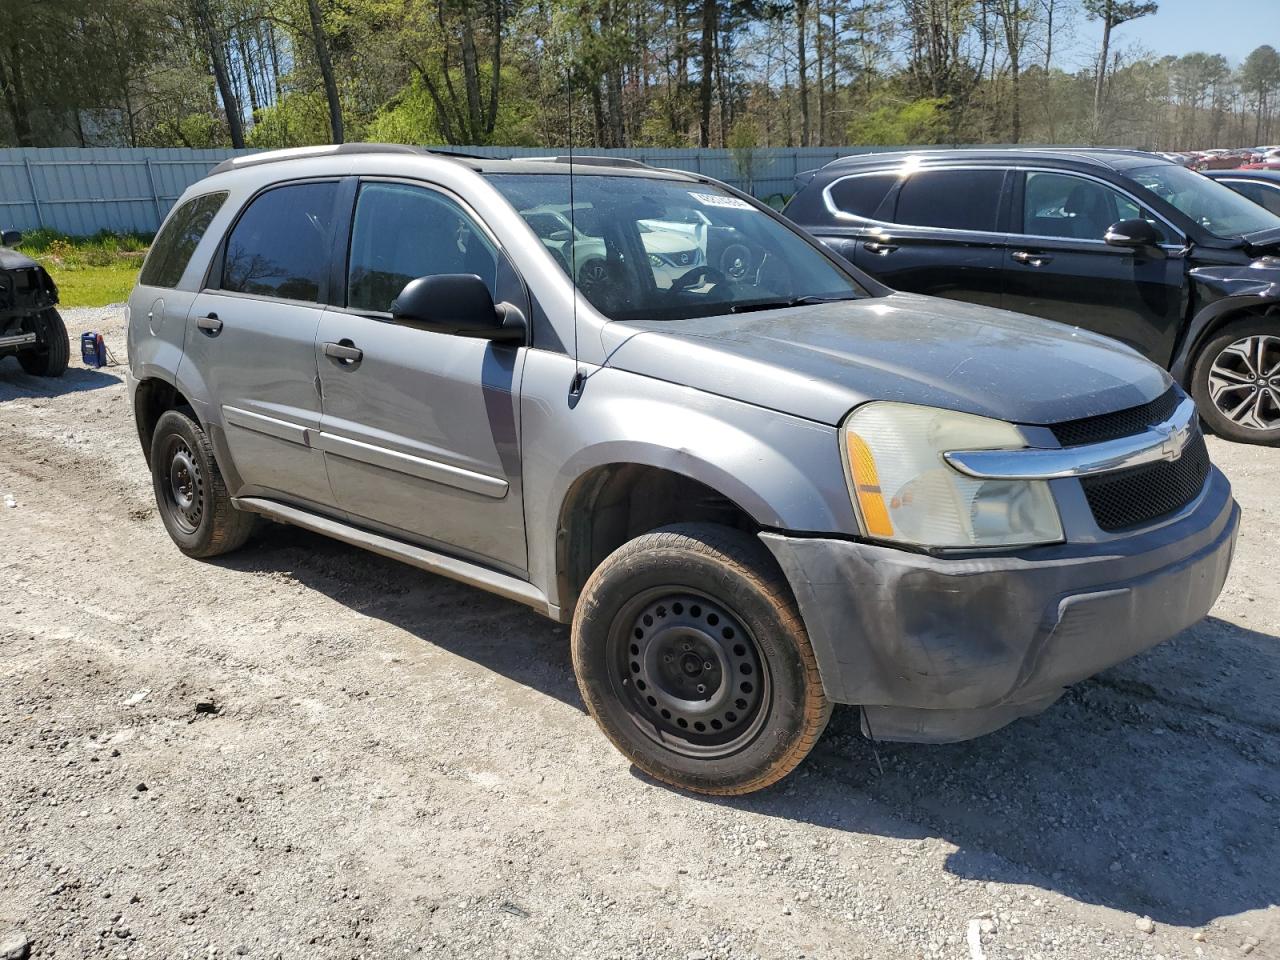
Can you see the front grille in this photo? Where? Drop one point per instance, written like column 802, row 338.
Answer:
column 1129, row 498
column 1122, row 423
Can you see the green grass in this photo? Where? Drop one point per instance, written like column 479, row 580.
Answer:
column 89, row 271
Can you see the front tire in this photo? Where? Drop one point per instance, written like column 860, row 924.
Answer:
column 691, row 656
column 190, row 493
column 53, row 350
column 1236, row 381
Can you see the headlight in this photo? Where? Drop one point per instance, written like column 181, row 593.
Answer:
column 905, row 491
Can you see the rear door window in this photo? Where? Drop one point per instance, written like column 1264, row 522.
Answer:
column 951, row 199
column 280, row 245
column 177, row 240
column 861, row 196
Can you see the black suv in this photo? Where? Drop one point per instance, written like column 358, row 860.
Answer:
column 1121, row 242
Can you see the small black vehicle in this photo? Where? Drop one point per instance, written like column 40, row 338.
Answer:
column 1120, row 242
column 30, row 326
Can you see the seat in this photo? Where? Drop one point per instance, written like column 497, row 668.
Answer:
column 1089, row 211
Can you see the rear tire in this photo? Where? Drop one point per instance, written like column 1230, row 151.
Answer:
column 50, row 357
column 692, row 657
column 1236, row 381
column 190, row 493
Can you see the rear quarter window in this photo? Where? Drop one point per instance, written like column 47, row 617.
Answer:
column 951, row 199
column 177, row 240
column 862, row 195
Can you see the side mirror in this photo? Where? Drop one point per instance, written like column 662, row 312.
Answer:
column 1133, row 234
column 457, row 304
column 10, row 238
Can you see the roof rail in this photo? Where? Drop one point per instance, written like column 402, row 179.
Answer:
column 330, row 150
column 589, row 161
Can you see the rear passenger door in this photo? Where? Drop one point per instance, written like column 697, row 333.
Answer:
column 1059, row 267
column 420, row 429
column 944, row 235
column 252, row 340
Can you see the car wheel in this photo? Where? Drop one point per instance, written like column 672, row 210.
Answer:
column 1236, row 381
column 53, row 350
column 692, row 658
column 190, row 492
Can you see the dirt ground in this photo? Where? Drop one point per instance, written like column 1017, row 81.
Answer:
column 303, row 750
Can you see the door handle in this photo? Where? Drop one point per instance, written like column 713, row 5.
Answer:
column 879, row 248
column 210, row 324
column 1031, row 259
column 344, row 351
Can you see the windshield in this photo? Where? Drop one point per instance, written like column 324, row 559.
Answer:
column 650, row 249
column 1218, row 209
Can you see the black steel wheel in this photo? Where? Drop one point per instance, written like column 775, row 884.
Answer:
column 184, row 502
column 191, row 495
column 692, row 657
column 690, row 672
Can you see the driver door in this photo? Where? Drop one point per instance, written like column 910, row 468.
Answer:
column 1059, row 267
column 420, row 430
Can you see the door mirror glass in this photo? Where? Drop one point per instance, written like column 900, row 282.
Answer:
column 10, row 238
column 455, row 303
column 1132, row 233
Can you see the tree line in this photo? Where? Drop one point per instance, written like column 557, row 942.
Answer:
column 616, row 73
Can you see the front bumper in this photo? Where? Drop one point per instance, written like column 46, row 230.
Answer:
column 942, row 649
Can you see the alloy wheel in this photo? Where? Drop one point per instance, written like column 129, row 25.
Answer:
column 1244, row 382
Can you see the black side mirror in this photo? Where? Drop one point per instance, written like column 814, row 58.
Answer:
column 1133, row 234
column 10, row 238
column 457, row 304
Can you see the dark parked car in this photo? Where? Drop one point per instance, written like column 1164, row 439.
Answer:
column 1262, row 186
column 1124, row 243
column 30, row 327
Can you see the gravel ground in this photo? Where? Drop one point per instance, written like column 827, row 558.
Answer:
column 303, row 750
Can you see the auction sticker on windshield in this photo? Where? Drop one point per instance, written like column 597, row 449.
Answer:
column 718, row 200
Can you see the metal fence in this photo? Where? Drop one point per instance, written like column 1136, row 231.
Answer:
column 83, row 191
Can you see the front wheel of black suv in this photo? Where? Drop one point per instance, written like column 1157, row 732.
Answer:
column 53, row 350
column 190, row 493
column 691, row 655
column 1236, row 381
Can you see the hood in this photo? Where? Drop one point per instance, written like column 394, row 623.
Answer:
column 13, row 260
column 820, row 361
column 1265, row 242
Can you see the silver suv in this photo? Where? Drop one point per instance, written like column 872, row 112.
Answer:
column 756, row 485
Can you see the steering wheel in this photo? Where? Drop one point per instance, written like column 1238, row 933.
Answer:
column 690, row 278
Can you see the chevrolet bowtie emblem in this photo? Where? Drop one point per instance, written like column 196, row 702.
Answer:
column 1175, row 439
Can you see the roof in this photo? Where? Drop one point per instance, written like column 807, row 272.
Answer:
column 582, row 164
column 1114, row 158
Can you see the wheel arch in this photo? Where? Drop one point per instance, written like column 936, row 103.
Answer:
column 612, row 503
column 152, row 397
column 1213, row 318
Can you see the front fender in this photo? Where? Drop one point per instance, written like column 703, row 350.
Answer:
column 785, row 472
column 1224, row 291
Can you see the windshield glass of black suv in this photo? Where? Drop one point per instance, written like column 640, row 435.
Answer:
column 642, row 248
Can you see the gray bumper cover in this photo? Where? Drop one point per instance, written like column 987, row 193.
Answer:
column 939, row 649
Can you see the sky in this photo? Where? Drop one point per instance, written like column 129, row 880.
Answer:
column 1232, row 28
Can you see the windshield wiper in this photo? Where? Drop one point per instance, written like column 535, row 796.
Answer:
column 780, row 304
